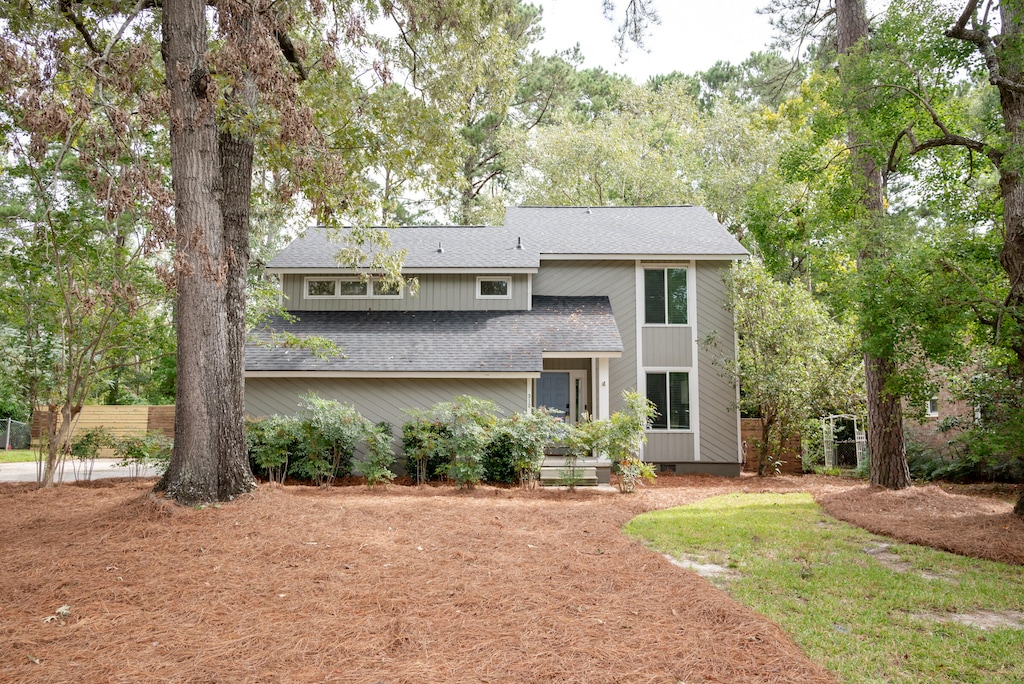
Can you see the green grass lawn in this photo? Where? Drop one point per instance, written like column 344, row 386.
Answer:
column 860, row 617
column 17, row 455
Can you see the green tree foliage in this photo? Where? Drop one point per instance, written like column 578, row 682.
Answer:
column 794, row 360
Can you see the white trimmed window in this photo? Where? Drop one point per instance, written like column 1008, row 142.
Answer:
column 489, row 287
column 350, row 288
column 932, row 408
column 670, row 393
column 665, row 296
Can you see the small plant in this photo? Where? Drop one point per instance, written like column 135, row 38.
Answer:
column 380, row 455
column 87, row 447
column 138, row 452
column 626, row 436
column 582, row 441
column 271, row 443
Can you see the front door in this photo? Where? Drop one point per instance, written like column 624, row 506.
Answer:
column 564, row 392
column 553, row 393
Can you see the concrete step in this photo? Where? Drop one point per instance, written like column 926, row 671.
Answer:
column 555, row 475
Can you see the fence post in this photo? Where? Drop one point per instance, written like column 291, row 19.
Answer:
column 7, row 446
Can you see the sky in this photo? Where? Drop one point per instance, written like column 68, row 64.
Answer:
column 692, row 36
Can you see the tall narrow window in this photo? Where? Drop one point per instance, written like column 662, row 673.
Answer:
column 665, row 296
column 670, row 393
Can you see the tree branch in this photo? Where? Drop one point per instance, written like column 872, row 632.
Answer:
column 284, row 41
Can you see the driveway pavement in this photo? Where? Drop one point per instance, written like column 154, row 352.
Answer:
column 73, row 470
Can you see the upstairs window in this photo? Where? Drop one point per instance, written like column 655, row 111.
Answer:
column 932, row 409
column 493, row 288
column 350, row 288
column 321, row 287
column 665, row 296
column 670, row 393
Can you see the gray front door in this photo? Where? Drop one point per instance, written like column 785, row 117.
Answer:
column 553, row 392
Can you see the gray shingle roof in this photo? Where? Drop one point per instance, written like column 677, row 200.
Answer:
column 682, row 230
column 445, row 341
column 465, row 247
column 668, row 231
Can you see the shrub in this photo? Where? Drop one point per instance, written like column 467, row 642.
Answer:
column 330, row 433
column 620, row 437
column 271, row 443
column 517, row 446
column 423, row 442
column 137, row 452
column 456, row 430
column 380, row 455
column 87, row 447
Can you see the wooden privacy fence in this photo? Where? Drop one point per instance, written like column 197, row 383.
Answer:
column 750, row 430
column 120, row 421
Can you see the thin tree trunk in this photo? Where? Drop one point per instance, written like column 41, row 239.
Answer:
column 885, row 411
column 236, row 154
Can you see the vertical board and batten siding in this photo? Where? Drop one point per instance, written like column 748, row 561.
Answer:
column 379, row 399
column 613, row 279
column 437, row 292
column 719, row 427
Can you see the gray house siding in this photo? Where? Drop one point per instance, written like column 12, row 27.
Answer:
column 669, row 447
column 379, row 399
column 613, row 279
column 437, row 292
column 669, row 346
column 719, row 424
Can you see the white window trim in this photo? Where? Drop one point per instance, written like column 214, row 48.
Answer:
column 691, row 374
column 928, row 408
column 691, row 285
column 370, row 294
column 508, row 282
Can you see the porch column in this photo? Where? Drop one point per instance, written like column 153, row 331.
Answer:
column 602, row 409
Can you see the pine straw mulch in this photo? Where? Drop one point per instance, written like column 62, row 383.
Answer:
column 403, row 584
column 979, row 526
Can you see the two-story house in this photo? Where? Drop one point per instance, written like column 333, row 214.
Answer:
column 563, row 307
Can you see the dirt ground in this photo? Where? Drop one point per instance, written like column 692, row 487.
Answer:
column 404, row 584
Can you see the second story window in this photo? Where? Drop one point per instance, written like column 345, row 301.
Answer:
column 350, row 288
column 493, row 288
column 665, row 296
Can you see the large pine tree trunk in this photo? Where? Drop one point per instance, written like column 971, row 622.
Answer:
column 1011, row 257
column 208, row 463
column 885, row 411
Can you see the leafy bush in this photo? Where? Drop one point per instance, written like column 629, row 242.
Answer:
column 380, row 455
column 330, row 432
column 517, row 446
column 620, row 437
column 424, row 443
column 456, row 430
column 137, row 452
column 87, row 447
column 271, row 443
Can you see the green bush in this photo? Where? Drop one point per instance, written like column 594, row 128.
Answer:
column 457, row 431
column 330, row 432
column 151, row 449
column 272, row 442
column 423, row 446
column 87, row 447
column 380, row 455
column 517, row 445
